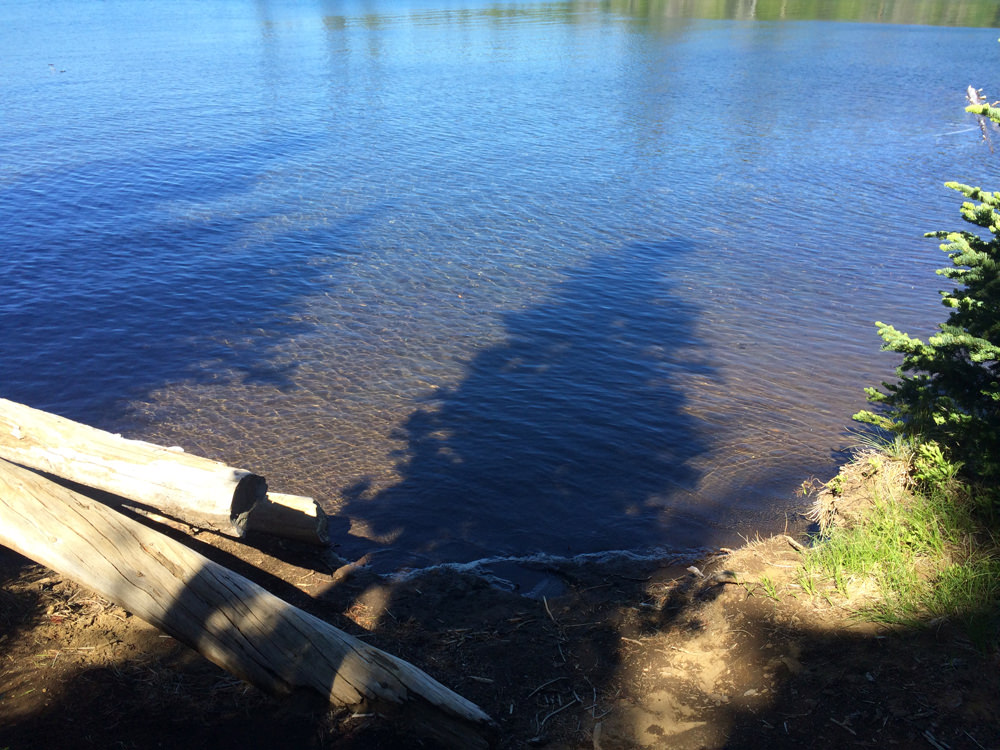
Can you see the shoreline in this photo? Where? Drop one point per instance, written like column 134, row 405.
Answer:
column 633, row 654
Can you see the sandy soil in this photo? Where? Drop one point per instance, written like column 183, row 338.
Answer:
column 735, row 655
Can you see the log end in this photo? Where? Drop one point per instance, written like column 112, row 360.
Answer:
column 251, row 490
column 291, row 517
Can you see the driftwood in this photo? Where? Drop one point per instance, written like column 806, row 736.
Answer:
column 976, row 100
column 204, row 493
column 229, row 619
column 290, row 517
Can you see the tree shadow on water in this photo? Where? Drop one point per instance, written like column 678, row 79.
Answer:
column 148, row 269
column 570, row 437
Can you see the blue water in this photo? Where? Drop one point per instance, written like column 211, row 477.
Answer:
column 484, row 278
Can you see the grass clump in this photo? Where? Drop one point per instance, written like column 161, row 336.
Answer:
column 910, row 542
column 919, row 516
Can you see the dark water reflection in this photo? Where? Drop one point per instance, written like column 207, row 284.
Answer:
column 932, row 12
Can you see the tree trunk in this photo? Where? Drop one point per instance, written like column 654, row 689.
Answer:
column 290, row 517
column 229, row 619
column 204, row 493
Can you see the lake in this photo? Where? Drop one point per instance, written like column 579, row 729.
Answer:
column 490, row 280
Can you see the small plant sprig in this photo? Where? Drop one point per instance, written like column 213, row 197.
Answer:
column 769, row 588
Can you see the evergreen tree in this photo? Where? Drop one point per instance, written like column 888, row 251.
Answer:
column 949, row 387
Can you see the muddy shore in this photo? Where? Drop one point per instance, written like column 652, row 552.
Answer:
column 636, row 655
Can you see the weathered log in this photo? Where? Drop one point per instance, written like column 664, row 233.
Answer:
column 226, row 617
column 290, row 517
column 199, row 491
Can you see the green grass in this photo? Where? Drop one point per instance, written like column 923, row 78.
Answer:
column 930, row 552
column 807, row 580
column 769, row 588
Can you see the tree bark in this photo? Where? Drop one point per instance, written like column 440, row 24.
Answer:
column 229, row 619
column 290, row 517
column 204, row 493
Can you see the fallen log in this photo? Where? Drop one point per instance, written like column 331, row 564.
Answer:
column 201, row 492
column 290, row 517
column 229, row 619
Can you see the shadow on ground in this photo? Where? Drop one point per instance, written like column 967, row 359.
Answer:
column 632, row 656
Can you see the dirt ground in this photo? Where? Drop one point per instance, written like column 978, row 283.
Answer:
column 637, row 655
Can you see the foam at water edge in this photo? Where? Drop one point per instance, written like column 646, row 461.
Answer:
column 480, row 567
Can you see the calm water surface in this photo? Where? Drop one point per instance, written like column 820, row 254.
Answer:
column 485, row 278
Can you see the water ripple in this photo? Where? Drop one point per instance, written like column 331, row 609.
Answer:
column 489, row 281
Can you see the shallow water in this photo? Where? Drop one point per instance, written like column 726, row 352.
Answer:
column 487, row 279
